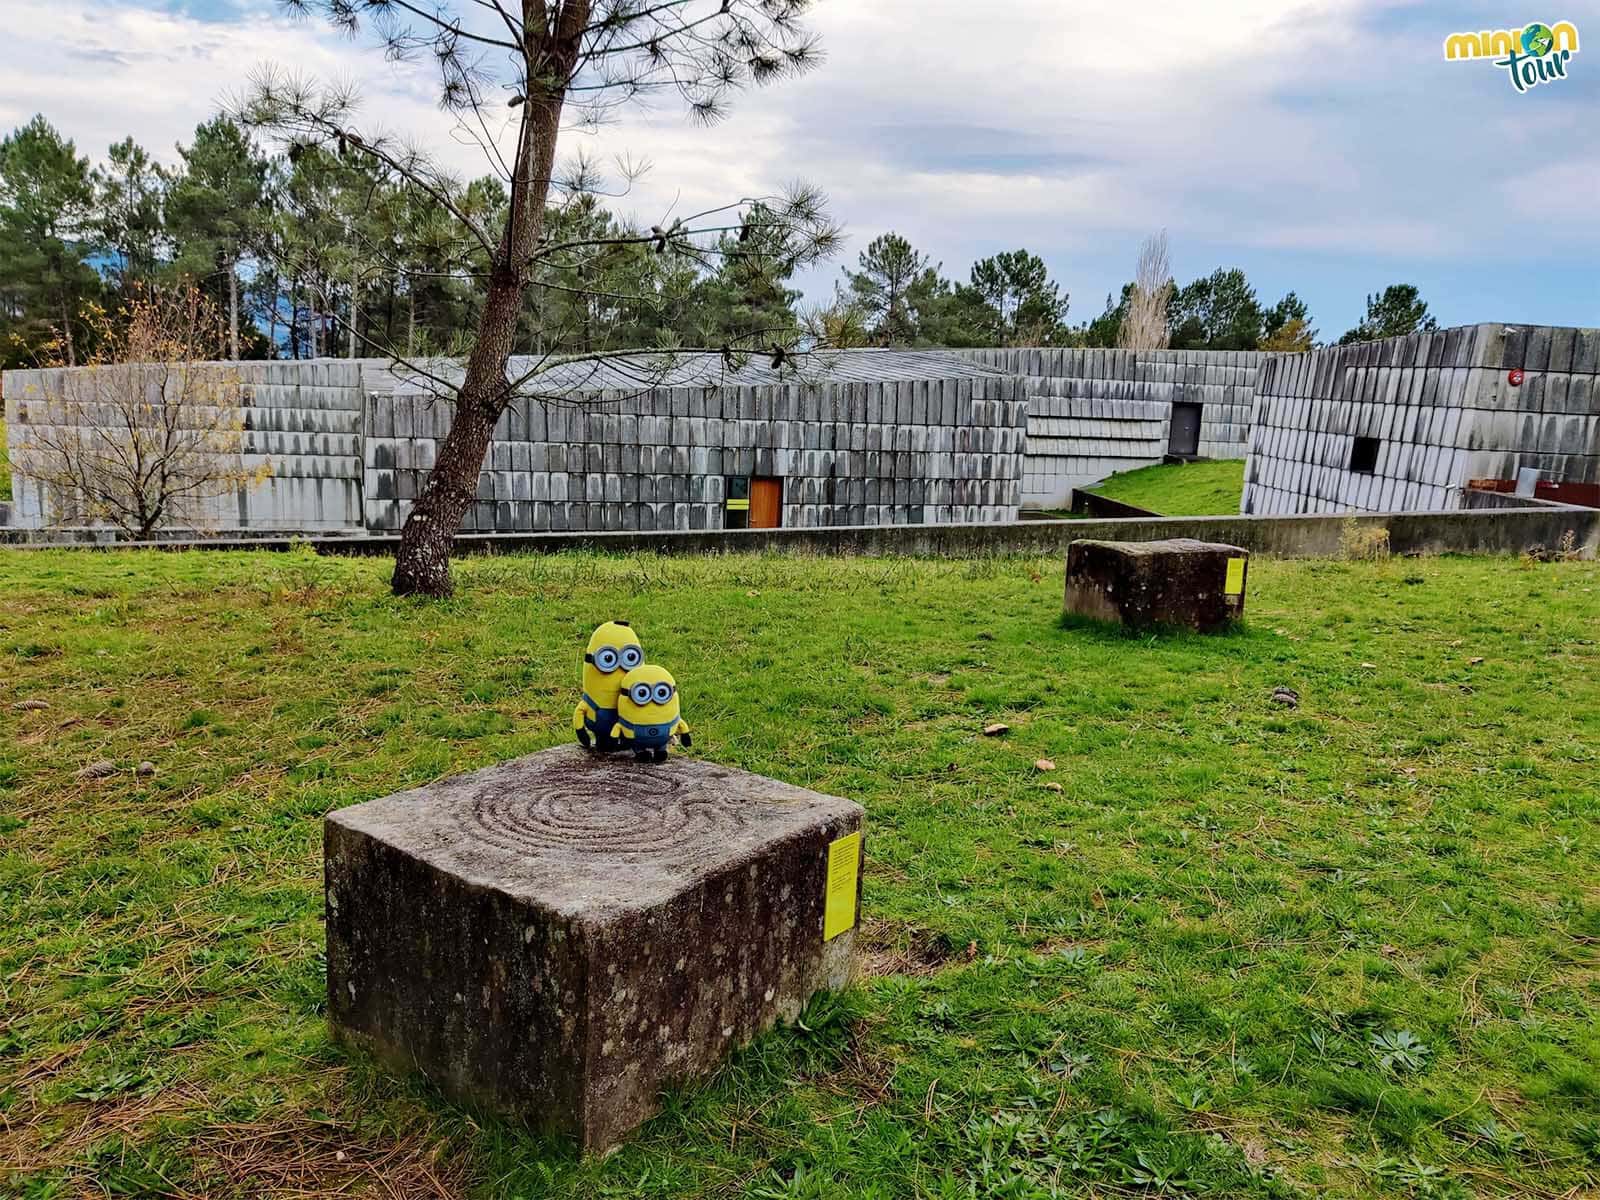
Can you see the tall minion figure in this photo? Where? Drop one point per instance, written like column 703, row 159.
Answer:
column 648, row 713
column 613, row 651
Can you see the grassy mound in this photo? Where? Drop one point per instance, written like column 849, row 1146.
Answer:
column 1197, row 489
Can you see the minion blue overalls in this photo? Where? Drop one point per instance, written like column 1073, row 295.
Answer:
column 648, row 737
column 602, row 723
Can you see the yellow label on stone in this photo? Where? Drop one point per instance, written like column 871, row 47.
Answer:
column 1235, row 582
column 738, row 506
column 839, row 912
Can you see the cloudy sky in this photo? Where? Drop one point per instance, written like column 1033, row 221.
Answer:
column 1323, row 146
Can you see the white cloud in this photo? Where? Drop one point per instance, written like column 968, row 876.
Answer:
column 1250, row 127
column 1567, row 193
column 101, row 72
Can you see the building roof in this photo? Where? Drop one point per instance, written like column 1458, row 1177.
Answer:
column 633, row 372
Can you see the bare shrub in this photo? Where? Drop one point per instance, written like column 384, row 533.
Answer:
column 1145, row 326
column 1363, row 543
column 151, row 431
column 1566, row 550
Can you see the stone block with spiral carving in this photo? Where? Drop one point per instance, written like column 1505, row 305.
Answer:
column 560, row 937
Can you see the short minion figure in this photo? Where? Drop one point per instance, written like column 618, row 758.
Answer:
column 613, row 651
column 647, row 713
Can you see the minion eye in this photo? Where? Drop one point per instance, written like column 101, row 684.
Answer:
column 606, row 659
column 663, row 692
column 641, row 693
column 631, row 656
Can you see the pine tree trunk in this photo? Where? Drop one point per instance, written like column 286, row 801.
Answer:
column 66, row 332
column 422, row 562
column 233, row 310
column 294, row 318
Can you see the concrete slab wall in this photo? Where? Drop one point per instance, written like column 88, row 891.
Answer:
column 301, row 419
column 349, row 445
column 1441, row 409
column 909, row 451
column 1094, row 412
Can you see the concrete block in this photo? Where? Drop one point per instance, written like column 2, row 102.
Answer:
column 1586, row 352
column 1177, row 582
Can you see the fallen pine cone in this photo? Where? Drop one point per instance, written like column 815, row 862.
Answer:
column 995, row 730
column 1287, row 697
column 98, row 770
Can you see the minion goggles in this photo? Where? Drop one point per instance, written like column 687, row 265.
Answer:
column 609, row 658
column 644, row 693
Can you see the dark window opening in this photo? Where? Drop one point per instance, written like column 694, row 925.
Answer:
column 1364, row 455
column 736, row 505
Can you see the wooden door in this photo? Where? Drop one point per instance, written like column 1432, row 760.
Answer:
column 766, row 503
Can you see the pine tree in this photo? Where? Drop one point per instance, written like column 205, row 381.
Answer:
column 131, row 193
column 215, row 210
column 1397, row 311
column 47, row 235
column 888, row 272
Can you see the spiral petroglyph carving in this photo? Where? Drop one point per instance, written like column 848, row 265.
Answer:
column 608, row 808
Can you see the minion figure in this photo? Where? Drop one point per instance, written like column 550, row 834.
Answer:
column 613, row 651
column 647, row 713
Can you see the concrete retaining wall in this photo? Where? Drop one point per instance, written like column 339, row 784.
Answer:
column 1506, row 531
column 1441, row 409
column 1094, row 412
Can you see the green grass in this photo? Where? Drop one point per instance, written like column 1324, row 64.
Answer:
column 1197, row 489
column 1342, row 950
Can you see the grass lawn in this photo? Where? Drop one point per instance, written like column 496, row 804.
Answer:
column 1197, row 489
column 1224, row 948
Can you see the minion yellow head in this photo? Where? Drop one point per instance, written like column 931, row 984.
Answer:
column 613, row 651
column 649, row 696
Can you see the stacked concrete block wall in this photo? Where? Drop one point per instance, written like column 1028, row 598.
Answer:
column 305, row 421
column 1094, row 412
column 1551, row 421
column 300, row 420
column 1404, row 424
column 908, row 451
column 1074, row 439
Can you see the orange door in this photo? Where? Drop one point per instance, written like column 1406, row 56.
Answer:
column 766, row 503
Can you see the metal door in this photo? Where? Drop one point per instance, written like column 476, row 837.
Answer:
column 1183, row 441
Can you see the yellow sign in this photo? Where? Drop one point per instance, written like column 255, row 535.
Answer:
column 1234, row 584
column 844, row 861
column 738, row 506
